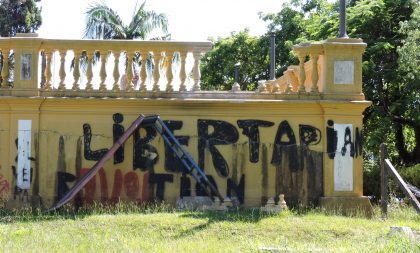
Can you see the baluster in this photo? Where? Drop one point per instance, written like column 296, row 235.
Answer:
column 102, row 72
column 314, row 58
column 129, row 72
column 76, row 72
column 196, row 71
column 182, row 72
column 5, row 68
column 169, row 74
column 275, row 86
column 89, row 72
column 116, row 72
column 62, row 71
column 289, row 87
column 302, row 76
column 48, row 73
column 156, row 74
column 143, row 72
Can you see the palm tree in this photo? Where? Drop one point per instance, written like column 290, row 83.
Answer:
column 104, row 23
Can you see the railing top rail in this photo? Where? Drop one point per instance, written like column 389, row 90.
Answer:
column 133, row 45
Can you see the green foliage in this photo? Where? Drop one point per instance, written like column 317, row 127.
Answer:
column 218, row 65
column 409, row 52
column 102, row 22
column 411, row 175
column 393, row 118
column 19, row 16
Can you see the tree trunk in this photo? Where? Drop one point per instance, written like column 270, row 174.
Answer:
column 407, row 157
column 416, row 151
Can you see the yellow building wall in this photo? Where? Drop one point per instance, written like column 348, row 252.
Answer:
column 299, row 135
column 302, row 172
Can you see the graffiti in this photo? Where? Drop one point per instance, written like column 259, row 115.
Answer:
column 20, row 193
column 298, row 170
column 145, row 156
column 62, row 179
column 231, row 186
column 172, row 162
column 347, row 141
column 223, row 133
column 358, row 143
column 250, row 129
column 134, row 188
column 309, row 135
column 343, row 160
column 185, row 189
column 117, row 132
column 92, row 155
column 239, row 189
column 199, row 191
column 347, row 145
column 159, row 180
column 285, row 147
column 331, row 139
column 24, row 175
column 4, row 185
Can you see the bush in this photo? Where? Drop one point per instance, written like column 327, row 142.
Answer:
column 411, row 175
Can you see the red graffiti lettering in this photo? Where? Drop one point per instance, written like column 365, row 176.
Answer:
column 4, row 185
column 118, row 184
column 131, row 185
column 130, row 182
column 145, row 191
column 89, row 190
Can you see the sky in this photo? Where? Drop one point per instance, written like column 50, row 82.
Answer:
column 189, row 20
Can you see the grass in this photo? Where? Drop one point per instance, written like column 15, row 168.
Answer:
column 126, row 228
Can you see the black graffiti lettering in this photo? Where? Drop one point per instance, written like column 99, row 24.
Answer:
column 172, row 162
column 185, row 186
column 347, row 141
column 145, row 156
column 314, row 169
column 199, row 191
column 285, row 147
column 238, row 189
column 62, row 179
column 223, row 133
column 358, row 143
column 92, row 155
column 24, row 174
column 331, row 139
column 159, row 180
column 19, row 192
column 117, row 132
column 309, row 135
column 250, row 129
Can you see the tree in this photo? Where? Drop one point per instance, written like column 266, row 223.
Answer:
column 217, row 71
column 102, row 22
column 409, row 67
column 19, row 16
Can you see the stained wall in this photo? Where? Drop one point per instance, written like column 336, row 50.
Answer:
column 252, row 150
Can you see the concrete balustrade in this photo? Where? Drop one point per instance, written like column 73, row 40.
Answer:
column 131, row 64
column 324, row 72
column 103, row 68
